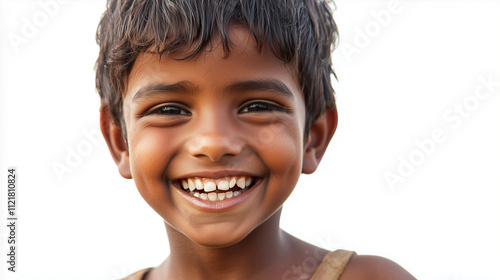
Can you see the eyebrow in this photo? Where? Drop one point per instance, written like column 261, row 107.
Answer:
column 272, row 85
column 162, row 89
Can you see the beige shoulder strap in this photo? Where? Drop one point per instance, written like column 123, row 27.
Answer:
column 333, row 265
column 330, row 268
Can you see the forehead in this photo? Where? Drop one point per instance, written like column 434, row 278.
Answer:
column 213, row 65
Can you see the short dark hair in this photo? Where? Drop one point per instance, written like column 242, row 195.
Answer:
column 301, row 32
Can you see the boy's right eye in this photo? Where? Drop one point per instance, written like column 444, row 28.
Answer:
column 168, row 110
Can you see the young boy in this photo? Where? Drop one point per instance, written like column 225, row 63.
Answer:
column 215, row 108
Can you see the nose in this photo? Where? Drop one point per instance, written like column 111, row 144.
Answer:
column 214, row 139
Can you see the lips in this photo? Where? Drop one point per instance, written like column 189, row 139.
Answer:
column 217, row 189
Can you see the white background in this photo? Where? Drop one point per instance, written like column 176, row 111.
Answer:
column 398, row 75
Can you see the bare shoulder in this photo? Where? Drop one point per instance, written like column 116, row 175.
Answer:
column 363, row 267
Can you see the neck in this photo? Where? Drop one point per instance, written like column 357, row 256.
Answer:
column 264, row 252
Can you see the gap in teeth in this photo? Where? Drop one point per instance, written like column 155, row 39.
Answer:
column 217, row 189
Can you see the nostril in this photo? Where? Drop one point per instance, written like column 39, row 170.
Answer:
column 215, row 147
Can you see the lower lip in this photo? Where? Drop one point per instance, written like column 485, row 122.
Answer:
column 216, row 206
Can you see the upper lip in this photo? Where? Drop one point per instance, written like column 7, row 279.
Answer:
column 215, row 174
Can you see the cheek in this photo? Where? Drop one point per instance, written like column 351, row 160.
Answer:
column 148, row 157
column 284, row 157
column 285, row 138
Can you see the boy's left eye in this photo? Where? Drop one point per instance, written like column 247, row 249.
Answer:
column 261, row 107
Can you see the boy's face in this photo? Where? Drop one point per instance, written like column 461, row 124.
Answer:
column 216, row 119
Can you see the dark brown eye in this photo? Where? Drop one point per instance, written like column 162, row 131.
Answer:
column 170, row 110
column 260, row 107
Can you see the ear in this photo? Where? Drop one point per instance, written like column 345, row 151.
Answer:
column 117, row 145
column 320, row 134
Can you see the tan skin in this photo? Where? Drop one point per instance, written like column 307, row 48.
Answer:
column 215, row 116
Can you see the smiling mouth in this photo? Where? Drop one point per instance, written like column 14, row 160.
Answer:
column 217, row 189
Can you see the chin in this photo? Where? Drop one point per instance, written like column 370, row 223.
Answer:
column 219, row 236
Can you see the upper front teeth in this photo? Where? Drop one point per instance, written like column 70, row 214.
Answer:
column 210, row 185
column 199, row 185
column 241, row 182
column 191, row 185
column 222, row 185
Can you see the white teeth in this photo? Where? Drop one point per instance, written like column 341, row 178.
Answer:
column 223, row 185
column 185, row 184
column 241, row 182
column 198, row 184
column 221, row 196
column 191, row 185
column 212, row 196
column 209, row 186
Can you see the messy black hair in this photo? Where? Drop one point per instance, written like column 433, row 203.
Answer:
column 301, row 32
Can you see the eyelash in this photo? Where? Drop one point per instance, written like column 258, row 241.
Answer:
column 251, row 107
column 168, row 110
column 261, row 107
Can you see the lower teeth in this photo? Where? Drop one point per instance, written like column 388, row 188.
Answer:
column 217, row 196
